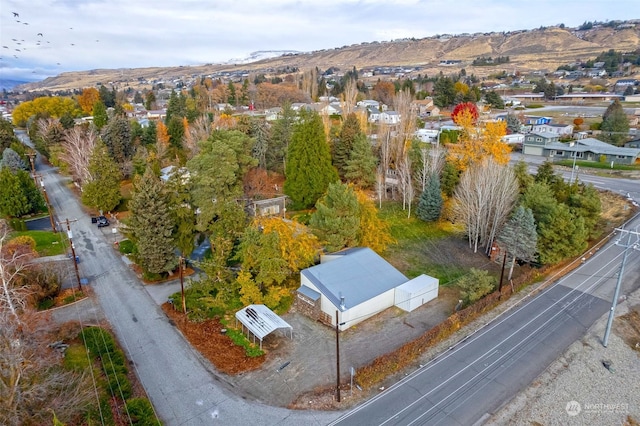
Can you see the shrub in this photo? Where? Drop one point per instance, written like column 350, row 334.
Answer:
column 98, row 341
column 252, row 351
column 18, row 225
column 475, row 285
column 119, row 386
column 141, row 412
column 127, row 247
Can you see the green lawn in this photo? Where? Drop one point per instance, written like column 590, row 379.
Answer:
column 431, row 248
column 47, row 243
column 598, row 165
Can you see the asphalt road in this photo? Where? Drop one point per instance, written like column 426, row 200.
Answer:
column 184, row 388
column 484, row 371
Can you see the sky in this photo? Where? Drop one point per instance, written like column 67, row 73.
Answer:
column 49, row 37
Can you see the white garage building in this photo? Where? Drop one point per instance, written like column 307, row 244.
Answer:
column 358, row 283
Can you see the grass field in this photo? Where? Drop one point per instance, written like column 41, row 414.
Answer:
column 438, row 249
column 47, row 243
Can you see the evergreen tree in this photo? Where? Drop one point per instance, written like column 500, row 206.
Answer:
column 100, row 116
column 513, row 123
column 281, row 131
column 18, row 194
column 177, row 107
column 615, row 124
column 494, row 99
column 343, row 145
column 108, row 97
column 233, row 98
column 102, row 191
column 149, row 136
column 150, row 100
column 521, row 170
column 116, row 135
column 361, row 165
column 336, row 220
column 519, row 237
column 151, row 224
column 182, row 210
column 309, row 171
column 450, row 178
column 176, row 132
column 12, row 160
column 430, row 204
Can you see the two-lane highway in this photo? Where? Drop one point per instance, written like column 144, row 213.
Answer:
column 466, row 384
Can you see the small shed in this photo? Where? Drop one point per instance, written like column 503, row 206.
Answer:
column 260, row 321
column 416, row 292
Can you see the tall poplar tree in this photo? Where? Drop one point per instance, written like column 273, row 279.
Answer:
column 151, row 224
column 309, row 171
column 102, row 189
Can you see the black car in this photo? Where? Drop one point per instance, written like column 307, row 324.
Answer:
column 102, row 221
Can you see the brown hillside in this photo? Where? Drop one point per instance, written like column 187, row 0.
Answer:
column 528, row 50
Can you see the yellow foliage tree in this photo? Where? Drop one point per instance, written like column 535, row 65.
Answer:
column 54, row 107
column 477, row 143
column 298, row 247
column 87, row 99
column 249, row 291
column 374, row 232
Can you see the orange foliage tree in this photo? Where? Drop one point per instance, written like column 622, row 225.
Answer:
column 460, row 110
column 477, row 143
column 87, row 99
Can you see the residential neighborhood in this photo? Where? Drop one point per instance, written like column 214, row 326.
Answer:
column 254, row 223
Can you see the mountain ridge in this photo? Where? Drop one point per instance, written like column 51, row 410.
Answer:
column 528, row 50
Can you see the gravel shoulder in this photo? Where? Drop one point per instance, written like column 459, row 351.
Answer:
column 577, row 389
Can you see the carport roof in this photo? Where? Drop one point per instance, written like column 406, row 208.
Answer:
column 261, row 320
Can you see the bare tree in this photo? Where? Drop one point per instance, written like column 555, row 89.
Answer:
column 13, row 261
column 384, row 150
column 407, row 126
column 405, row 179
column 350, row 95
column 32, row 381
column 49, row 130
column 78, row 145
column 198, row 131
column 431, row 162
column 484, row 198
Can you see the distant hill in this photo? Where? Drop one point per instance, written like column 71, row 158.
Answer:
column 541, row 49
column 6, row 84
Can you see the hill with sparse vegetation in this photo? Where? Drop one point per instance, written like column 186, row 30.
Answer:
column 542, row 49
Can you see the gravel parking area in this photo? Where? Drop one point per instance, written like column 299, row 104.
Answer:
column 577, row 389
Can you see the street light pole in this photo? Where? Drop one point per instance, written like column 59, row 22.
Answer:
column 616, row 292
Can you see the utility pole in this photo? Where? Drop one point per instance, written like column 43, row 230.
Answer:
column 184, row 302
column 46, row 199
column 337, row 358
column 73, row 253
column 504, row 261
column 616, row 292
column 33, row 167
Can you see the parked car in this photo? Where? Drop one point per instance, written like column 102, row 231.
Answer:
column 102, row 221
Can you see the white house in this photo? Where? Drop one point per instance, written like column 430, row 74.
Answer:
column 358, row 284
column 557, row 129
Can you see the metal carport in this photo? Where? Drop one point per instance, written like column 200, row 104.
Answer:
column 260, row 321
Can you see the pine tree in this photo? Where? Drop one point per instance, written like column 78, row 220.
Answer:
column 361, row 166
column 519, row 237
column 336, row 220
column 309, row 171
column 102, row 190
column 344, row 143
column 430, row 204
column 151, row 224
column 12, row 160
column 116, row 135
column 615, row 124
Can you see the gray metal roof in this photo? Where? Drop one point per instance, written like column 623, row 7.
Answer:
column 306, row 291
column 261, row 320
column 596, row 146
column 358, row 275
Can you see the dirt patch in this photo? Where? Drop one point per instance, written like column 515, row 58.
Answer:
column 628, row 328
column 208, row 339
